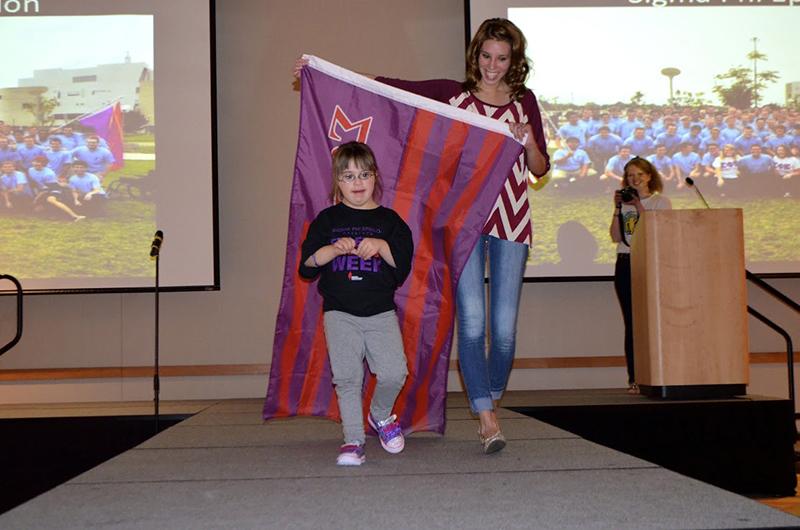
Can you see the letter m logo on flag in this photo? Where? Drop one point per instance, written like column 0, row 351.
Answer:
column 341, row 122
column 442, row 170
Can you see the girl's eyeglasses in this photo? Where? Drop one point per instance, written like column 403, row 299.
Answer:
column 350, row 177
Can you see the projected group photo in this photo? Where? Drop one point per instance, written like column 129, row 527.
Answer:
column 77, row 145
column 724, row 112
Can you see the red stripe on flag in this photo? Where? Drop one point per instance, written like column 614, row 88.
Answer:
column 443, row 327
column 289, row 352
column 316, row 362
column 405, row 194
column 489, row 151
column 115, row 139
column 423, row 260
column 411, row 165
column 491, row 147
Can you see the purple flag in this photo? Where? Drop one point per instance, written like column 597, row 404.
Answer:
column 442, row 170
column 107, row 124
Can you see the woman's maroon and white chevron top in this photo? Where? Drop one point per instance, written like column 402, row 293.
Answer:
column 510, row 218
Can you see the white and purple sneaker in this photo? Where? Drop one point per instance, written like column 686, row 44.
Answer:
column 351, row 455
column 389, row 432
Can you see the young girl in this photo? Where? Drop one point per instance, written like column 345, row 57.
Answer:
column 496, row 71
column 644, row 178
column 363, row 253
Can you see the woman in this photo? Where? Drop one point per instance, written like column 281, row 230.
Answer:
column 496, row 70
column 641, row 191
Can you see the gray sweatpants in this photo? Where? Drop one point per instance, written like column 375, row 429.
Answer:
column 350, row 339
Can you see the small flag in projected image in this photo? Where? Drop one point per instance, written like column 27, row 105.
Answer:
column 107, row 124
column 442, row 170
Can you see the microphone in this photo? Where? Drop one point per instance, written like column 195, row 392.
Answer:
column 155, row 248
column 690, row 182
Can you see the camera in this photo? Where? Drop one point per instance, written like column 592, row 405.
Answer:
column 628, row 193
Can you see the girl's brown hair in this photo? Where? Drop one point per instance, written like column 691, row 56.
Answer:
column 363, row 157
column 655, row 185
column 503, row 30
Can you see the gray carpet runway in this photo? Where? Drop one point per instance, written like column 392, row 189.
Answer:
column 224, row 468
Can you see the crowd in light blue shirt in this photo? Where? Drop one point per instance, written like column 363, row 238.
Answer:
column 73, row 147
column 575, row 162
column 616, row 164
column 11, row 181
column 607, row 146
column 685, row 163
column 573, row 131
column 85, row 183
column 728, row 129
column 751, row 165
column 663, row 164
column 640, row 146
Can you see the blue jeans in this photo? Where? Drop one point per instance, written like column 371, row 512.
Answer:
column 486, row 379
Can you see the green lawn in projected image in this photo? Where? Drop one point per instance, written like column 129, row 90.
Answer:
column 115, row 245
column 771, row 225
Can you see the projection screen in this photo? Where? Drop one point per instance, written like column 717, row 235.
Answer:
column 107, row 134
column 627, row 64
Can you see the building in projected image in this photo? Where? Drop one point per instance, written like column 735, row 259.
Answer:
column 792, row 93
column 82, row 90
column 17, row 105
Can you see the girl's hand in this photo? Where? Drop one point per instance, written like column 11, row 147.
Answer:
column 299, row 64
column 345, row 245
column 369, row 247
column 618, row 198
column 522, row 132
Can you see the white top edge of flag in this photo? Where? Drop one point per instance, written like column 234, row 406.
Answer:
column 408, row 98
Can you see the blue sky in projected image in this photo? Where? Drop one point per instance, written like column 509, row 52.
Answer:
column 605, row 54
column 40, row 43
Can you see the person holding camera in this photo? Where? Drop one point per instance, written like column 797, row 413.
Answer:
column 640, row 191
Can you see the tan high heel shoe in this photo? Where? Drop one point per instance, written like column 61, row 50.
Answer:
column 492, row 444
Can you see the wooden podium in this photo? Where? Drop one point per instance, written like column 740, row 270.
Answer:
column 690, row 304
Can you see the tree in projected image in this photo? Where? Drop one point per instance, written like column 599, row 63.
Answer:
column 42, row 111
column 744, row 83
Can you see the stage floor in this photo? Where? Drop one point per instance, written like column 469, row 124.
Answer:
column 225, row 468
